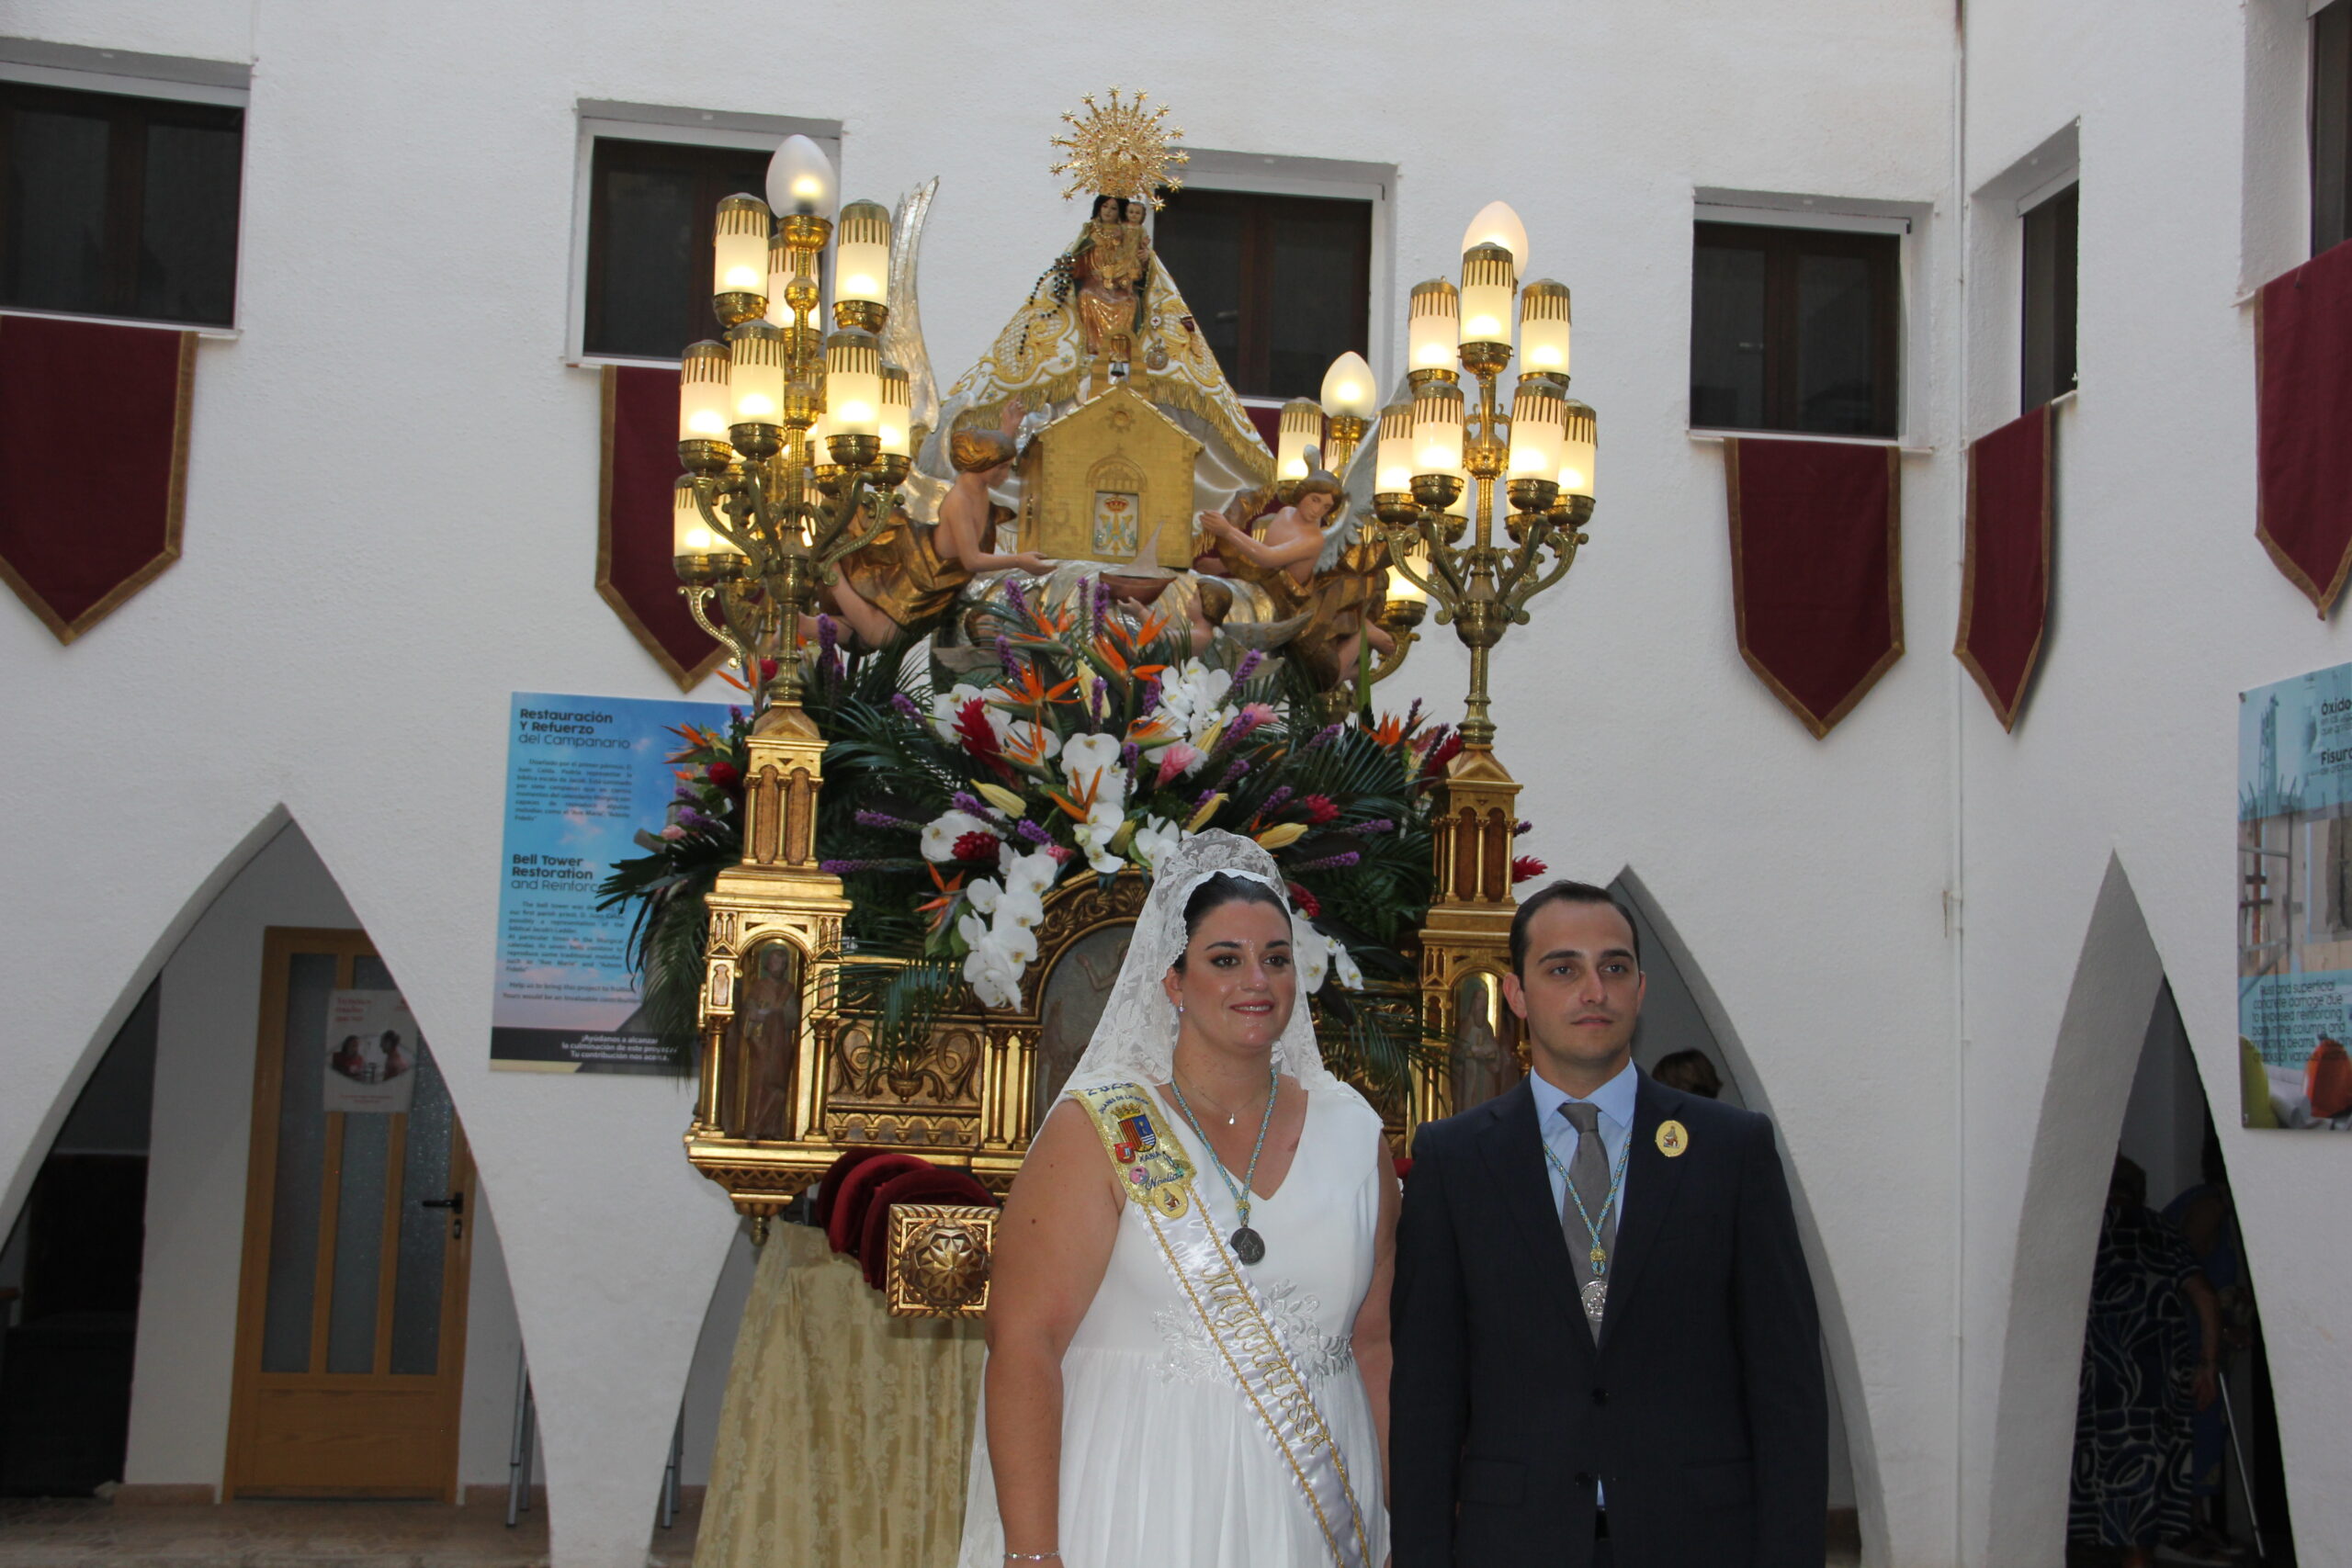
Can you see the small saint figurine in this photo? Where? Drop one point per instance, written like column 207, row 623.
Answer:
column 904, row 581
column 1110, row 263
column 1329, row 577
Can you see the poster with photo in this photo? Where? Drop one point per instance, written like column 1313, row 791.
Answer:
column 584, row 777
column 2294, row 896
column 372, row 1048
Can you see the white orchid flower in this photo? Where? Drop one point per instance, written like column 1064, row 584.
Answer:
column 973, row 930
column 939, row 837
column 1311, row 951
column 1032, row 873
column 1154, row 840
column 992, row 976
column 1089, row 754
column 983, row 894
column 1343, row 965
column 1018, row 910
column 1018, row 944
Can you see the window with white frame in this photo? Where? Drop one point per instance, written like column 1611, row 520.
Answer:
column 2049, row 230
column 1796, row 328
column 1280, row 285
column 2331, row 125
column 119, row 203
column 651, row 180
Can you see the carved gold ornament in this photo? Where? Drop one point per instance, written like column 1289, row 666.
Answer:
column 1120, row 149
column 939, row 1259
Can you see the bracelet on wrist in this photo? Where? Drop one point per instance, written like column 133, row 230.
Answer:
column 1032, row 1557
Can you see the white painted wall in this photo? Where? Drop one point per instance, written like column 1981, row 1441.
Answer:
column 340, row 637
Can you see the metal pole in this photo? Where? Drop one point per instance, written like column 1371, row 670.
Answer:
column 2245, row 1477
column 518, row 1450
column 670, row 1472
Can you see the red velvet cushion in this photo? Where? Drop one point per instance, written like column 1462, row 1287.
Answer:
column 930, row 1185
column 846, row 1223
column 820, row 1212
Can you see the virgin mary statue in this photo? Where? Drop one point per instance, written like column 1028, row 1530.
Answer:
column 1188, row 1344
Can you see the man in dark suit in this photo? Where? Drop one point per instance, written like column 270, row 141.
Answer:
column 1571, row 1391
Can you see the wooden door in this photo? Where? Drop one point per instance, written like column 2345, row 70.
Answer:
column 351, row 1318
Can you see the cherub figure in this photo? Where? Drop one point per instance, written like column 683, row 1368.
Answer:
column 903, row 581
column 1326, row 575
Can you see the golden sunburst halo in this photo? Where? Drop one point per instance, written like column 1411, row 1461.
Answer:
column 1120, row 148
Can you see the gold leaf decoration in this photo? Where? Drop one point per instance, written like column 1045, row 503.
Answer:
column 1121, row 148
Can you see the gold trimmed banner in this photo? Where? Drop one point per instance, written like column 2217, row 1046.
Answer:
column 640, row 474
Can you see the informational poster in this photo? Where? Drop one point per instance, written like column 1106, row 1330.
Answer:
column 372, row 1048
column 584, row 777
column 2294, row 899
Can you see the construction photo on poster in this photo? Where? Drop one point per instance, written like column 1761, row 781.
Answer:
column 584, row 777
column 2295, row 901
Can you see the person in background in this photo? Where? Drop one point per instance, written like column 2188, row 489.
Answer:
column 1691, row 1072
column 2150, row 1352
column 2208, row 1222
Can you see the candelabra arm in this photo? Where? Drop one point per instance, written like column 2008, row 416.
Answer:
column 725, row 633
column 847, row 540
column 1393, row 661
column 1442, row 571
column 1526, row 587
column 704, row 491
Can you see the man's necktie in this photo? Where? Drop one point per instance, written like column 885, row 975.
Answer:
column 1590, row 1200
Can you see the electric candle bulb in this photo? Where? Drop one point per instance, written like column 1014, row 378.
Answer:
column 1347, row 388
column 853, row 383
column 800, row 179
column 755, row 373
column 1437, row 428
column 862, row 252
column 739, row 246
column 1497, row 224
column 1489, row 281
column 1431, row 326
column 704, row 404
column 1301, row 427
column 1539, row 421
column 690, row 533
column 1393, row 458
column 1579, row 451
column 1543, row 327
column 897, row 410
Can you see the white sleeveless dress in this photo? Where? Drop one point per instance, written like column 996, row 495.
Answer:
column 1163, row 1459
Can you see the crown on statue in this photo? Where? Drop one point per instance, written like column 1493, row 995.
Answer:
column 1121, row 149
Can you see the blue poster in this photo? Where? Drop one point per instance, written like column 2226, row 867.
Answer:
column 583, row 775
column 2294, row 899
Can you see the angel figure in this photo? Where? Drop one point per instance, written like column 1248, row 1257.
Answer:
column 1328, row 577
column 904, row 581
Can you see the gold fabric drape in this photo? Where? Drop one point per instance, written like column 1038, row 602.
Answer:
column 846, row 1434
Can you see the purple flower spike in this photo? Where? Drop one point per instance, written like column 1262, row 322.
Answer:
column 689, row 817
column 1031, row 833
column 1248, row 667
column 1276, row 801
column 884, row 819
column 1004, row 657
column 1204, row 798
column 1413, row 714
column 1128, row 753
column 1149, row 700
column 965, row 801
column 1344, row 859
column 1233, row 774
column 1014, row 597
column 1523, row 826
column 1322, row 738
column 905, row 705
column 1377, row 825
column 829, row 636
column 734, row 713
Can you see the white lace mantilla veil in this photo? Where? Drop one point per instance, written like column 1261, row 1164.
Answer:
column 1135, row 1041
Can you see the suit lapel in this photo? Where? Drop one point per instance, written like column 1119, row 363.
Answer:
column 1651, row 1180
column 1514, row 1155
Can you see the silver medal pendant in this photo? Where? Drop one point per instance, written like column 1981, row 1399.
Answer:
column 1247, row 1244
column 1596, row 1299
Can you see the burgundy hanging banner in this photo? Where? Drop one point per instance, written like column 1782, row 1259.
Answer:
column 634, row 573
column 2004, row 581
column 1816, row 570
column 93, row 463
column 2303, row 371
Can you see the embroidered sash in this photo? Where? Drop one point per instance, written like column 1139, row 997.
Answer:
column 1149, row 1156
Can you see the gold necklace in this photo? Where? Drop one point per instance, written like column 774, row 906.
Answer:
column 1232, row 1119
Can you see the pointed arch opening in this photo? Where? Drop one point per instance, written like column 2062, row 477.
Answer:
column 1682, row 1014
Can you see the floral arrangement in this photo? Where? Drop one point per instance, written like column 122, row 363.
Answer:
column 1087, row 749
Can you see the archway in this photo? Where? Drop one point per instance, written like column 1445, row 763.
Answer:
column 210, row 981
column 1682, row 1012
column 2121, row 1080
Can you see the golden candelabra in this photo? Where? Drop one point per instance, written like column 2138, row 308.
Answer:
column 1437, row 468
column 815, row 426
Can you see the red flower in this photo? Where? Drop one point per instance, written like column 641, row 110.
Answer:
column 725, row 776
column 1404, row 1164
column 1444, row 751
column 972, row 729
column 1319, row 810
column 1305, row 903
column 1524, row 866
column 767, row 668
column 978, row 847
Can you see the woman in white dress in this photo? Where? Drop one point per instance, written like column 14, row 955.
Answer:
column 1188, row 1323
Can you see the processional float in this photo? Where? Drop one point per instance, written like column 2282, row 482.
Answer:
column 1151, row 680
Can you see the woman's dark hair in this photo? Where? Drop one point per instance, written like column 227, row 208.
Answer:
column 1119, row 208
column 1215, row 892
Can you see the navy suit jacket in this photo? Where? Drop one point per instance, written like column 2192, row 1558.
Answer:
column 1701, row 1410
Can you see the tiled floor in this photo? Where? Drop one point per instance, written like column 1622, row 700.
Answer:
column 294, row 1535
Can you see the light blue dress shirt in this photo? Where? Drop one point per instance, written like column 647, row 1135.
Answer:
column 1615, row 1100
